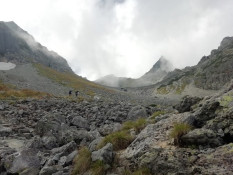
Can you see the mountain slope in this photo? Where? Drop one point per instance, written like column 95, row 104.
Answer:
column 154, row 75
column 17, row 46
column 37, row 68
column 210, row 74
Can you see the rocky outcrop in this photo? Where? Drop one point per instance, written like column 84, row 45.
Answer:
column 186, row 103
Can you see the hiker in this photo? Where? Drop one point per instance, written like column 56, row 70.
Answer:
column 76, row 93
column 70, row 92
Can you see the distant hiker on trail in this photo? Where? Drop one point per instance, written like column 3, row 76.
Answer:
column 76, row 93
column 70, row 92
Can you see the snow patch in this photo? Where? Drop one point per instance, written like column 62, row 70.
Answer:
column 6, row 66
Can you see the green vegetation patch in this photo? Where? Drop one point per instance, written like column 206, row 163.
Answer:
column 225, row 100
column 10, row 92
column 82, row 162
column 181, row 88
column 162, row 90
column 69, row 79
column 178, row 131
column 120, row 140
column 98, row 168
column 137, row 125
column 157, row 113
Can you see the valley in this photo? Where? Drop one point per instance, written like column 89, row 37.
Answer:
column 166, row 122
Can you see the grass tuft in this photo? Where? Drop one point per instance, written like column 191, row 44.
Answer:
column 157, row 113
column 178, row 131
column 120, row 140
column 98, row 168
column 82, row 161
column 138, row 125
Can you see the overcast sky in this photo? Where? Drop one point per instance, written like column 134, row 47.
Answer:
column 123, row 37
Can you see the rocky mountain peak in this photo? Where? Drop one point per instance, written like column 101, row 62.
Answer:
column 162, row 64
column 226, row 42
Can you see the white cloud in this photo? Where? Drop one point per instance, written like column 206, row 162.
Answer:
column 123, row 37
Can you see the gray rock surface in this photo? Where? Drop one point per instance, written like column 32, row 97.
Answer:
column 80, row 122
column 104, row 154
column 137, row 112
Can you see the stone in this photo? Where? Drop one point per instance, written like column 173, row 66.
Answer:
column 49, row 142
column 137, row 112
column 49, row 170
column 5, row 131
column 205, row 137
column 2, row 107
column 62, row 161
column 186, row 103
column 80, row 122
column 109, row 128
column 25, row 160
column 70, row 157
column 104, row 154
column 65, row 149
column 92, row 146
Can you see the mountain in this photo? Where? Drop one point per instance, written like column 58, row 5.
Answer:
column 158, row 71
column 115, row 132
column 18, row 46
column 211, row 74
column 37, row 69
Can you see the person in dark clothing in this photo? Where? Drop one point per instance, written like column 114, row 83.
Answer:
column 70, row 92
column 76, row 93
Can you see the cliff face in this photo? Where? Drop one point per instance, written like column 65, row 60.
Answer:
column 215, row 70
column 211, row 73
column 17, row 46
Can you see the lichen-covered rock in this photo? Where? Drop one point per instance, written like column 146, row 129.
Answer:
column 202, row 136
column 104, row 154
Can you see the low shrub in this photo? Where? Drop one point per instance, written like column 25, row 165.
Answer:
column 119, row 140
column 82, row 161
column 178, row 131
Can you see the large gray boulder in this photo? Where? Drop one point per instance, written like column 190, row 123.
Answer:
column 137, row 112
column 205, row 137
column 105, row 154
column 186, row 103
column 26, row 160
column 109, row 128
column 93, row 145
column 80, row 122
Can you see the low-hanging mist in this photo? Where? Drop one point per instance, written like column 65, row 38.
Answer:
column 123, row 37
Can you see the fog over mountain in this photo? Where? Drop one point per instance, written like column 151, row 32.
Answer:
column 123, row 37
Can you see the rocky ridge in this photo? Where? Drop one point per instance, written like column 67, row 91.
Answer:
column 19, row 47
